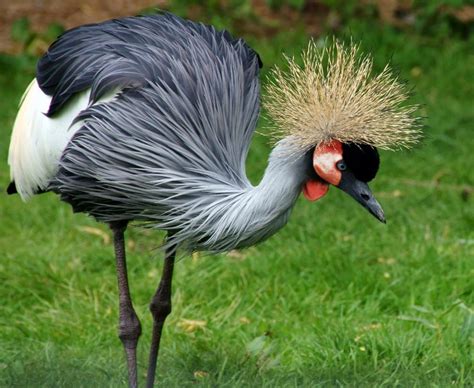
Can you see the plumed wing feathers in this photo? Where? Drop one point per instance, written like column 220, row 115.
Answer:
column 172, row 144
column 128, row 52
column 194, row 81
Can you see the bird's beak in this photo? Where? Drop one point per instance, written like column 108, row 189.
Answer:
column 360, row 191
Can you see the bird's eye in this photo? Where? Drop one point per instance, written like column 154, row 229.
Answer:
column 341, row 165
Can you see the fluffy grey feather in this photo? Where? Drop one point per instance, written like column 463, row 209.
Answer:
column 128, row 52
column 170, row 150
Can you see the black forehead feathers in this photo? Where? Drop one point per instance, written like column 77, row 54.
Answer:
column 363, row 160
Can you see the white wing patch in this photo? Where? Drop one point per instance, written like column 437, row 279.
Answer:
column 38, row 141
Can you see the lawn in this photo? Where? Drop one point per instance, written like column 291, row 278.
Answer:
column 334, row 299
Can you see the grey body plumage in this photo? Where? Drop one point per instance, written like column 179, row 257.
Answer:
column 170, row 150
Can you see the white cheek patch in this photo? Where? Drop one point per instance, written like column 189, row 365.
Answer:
column 325, row 163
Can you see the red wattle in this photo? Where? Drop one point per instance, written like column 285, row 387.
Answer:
column 314, row 189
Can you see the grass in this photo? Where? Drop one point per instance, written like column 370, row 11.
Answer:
column 334, row 299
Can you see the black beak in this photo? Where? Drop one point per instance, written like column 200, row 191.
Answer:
column 361, row 193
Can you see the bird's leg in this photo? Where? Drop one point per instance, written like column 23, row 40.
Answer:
column 160, row 308
column 129, row 328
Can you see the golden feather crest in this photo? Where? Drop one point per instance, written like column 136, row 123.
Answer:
column 334, row 96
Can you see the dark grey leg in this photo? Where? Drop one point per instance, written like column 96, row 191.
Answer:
column 129, row 327
column 160, row 308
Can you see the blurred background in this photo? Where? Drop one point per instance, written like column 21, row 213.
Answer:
column 334, row 299
column 30, row 25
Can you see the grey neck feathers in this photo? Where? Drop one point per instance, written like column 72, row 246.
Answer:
column 254, row 214
column 273, row 199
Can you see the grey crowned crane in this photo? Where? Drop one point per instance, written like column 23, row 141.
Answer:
column 149, row 119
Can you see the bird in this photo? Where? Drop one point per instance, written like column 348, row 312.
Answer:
column 149, row 119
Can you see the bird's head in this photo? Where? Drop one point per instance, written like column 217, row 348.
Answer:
column 349, row 167
column 333, row 110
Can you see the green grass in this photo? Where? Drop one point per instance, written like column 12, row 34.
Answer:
column 334, row 299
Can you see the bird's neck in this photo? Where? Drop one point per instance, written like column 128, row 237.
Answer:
column 283, row 178
column 237, row 218
column 268, row 205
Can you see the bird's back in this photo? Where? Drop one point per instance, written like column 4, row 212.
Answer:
column 176, row 133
